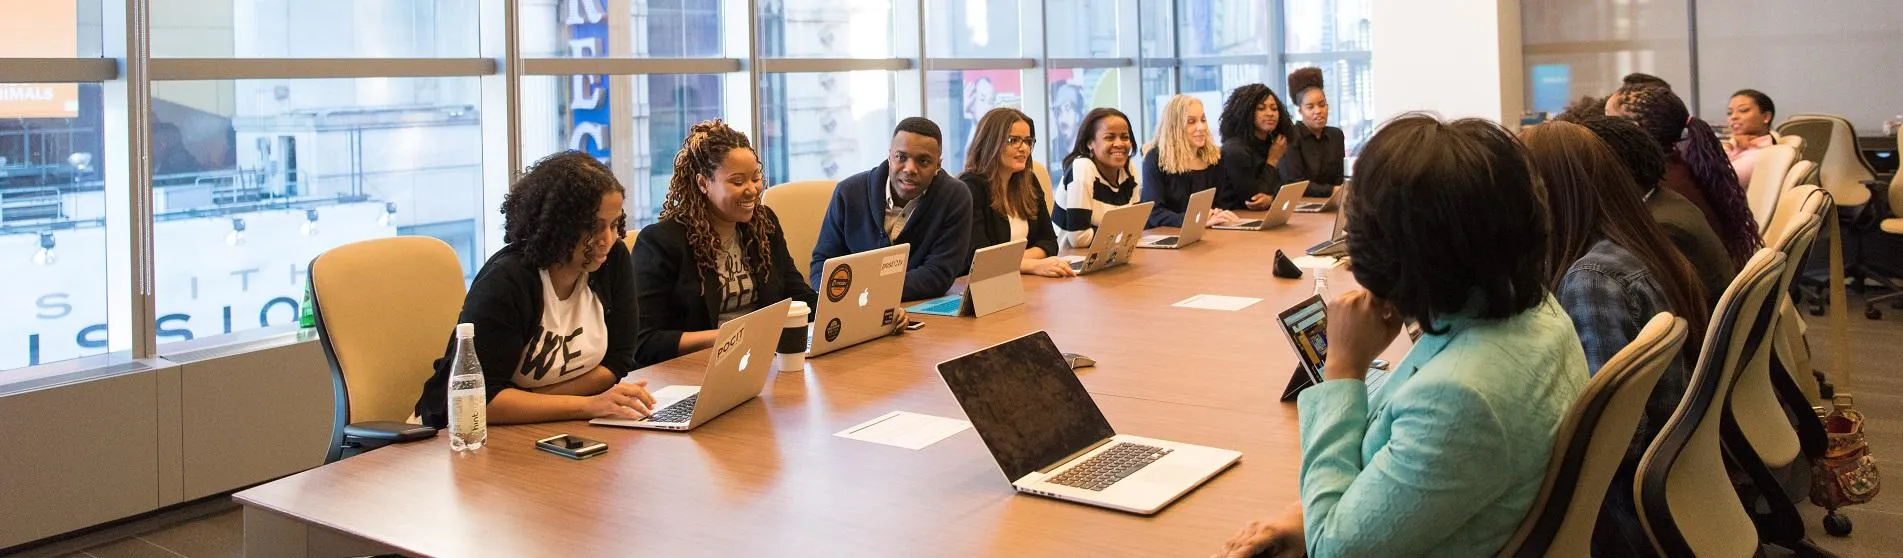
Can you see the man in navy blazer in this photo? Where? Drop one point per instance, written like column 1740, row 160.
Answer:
column 908, row 199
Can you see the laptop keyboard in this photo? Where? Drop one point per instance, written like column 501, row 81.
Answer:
column 1161, row 240
column 680, row 411
column 1105, row 469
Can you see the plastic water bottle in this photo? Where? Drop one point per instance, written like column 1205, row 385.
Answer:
column 1321, row 284
column 468, row 400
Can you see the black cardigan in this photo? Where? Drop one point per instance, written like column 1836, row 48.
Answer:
column 1319, row 160
column 1245, row 163
column 677, row 296
column 990, row 228
column 505, row 303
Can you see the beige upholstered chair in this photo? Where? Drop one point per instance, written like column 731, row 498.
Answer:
column 1755, row 401
column 1683, row 494
column 1802, row 172
column 385, row 309
column 1892, row 226
column 1794, row 142
column 629, row 240
column 1591, row 443
column 1788, row 347
column 1831, row 142
column 1767, row 180
column 801, row 207
column 1043, row 176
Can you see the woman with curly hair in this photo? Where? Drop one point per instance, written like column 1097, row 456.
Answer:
column 716, row 252
column 1317, row 152
column 1695, row 163
column 1254, row 127
column 554, row 308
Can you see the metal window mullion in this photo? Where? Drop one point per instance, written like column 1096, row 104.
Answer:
column 195, row 69
column 949, row 64
column 1277, row 27
column 755, row 52
column 58, row 70
column 629, row 66
column 1130, row 47
column 924, row 89
column 817, row 65
column 126, row 162
column 1090, row 63
column 1031, row 31
column 621, row 146
column 502, row 119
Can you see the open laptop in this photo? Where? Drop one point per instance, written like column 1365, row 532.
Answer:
column 1333, row 202
column 1279, row 210
column 1192, row 230
column 1337, row 243
column 1051, row 440
column 993, row 285
column 858, row 298
column 741, row 362
column 1306, row 326
column 1115, row 241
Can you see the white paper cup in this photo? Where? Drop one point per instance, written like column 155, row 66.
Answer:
column 791, row 353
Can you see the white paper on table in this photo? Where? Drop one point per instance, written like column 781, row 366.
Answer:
column 1216, row 302
column 907, row 430
column 1316, row 262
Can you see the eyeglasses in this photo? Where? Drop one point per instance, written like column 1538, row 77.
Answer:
column 1013, row 141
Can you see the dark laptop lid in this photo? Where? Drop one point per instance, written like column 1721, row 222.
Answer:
column 1026, row 403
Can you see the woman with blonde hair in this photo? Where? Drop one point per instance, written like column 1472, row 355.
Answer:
column 1180, row 160
column 716, row 252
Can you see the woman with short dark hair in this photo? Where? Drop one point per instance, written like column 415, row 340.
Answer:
column 1749, row 114
column 1448, row 228
column 554, row 309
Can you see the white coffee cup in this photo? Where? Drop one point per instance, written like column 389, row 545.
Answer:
column 791, row 353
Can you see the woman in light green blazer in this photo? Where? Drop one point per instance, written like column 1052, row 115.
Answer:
column 1449, row 230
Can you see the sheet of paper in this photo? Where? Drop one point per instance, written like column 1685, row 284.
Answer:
column 1316, row 262
column 1216, row 302
column 907, row 430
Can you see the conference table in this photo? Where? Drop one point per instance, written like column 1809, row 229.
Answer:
column 770, row 477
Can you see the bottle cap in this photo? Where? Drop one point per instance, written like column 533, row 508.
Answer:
column 465, row 331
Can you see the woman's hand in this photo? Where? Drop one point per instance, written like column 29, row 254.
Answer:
column 625, row 400
column 1046, row 267
column 1360, row 326
column 1277, row 149
column 1280, row 537
column 898, row 324
column 1260, row 202
column 1221, row 217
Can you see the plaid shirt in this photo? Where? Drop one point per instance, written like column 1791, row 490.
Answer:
column 1611, row 295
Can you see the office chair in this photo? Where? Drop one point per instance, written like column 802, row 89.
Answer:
column 1768, row 422
column 1681, row 489
column 1794, row 142
column 629, row 240
column 1767, row 180
column 384, row 309
column 1789, row 350
column 1891, row 225
column 1043, row 177
column 801, row 207
column 1831, row 142
column 1591, row 443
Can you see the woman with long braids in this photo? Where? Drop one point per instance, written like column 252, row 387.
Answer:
column 1696, row 165
column 716, row 252
column 560, row 281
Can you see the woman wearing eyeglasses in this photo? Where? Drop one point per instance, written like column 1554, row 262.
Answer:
column 1007, row 203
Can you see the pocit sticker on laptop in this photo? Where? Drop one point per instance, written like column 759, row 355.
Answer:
column 727, row 346
column 892, row 264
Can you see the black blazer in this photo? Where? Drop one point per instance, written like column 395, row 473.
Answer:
column 505, row 304
column 990, row 227
column 676, row 296
column 1245, row 164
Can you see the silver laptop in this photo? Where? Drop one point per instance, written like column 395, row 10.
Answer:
column 1279, row 210
column 1337, row 243
column 739, row 366
column 1051, row 440
column 858, row 298
column 1116, row 239
column 1331, row 204
column 1193, row 221
column 993, row 285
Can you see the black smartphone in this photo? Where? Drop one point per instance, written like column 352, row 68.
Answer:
column 572, row 447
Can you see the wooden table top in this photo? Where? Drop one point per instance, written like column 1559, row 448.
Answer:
column 769, row 477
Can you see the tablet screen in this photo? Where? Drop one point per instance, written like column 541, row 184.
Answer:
column 1306, row 325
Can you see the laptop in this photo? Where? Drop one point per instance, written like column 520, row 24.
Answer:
column 993, row 285
column 1198, row 212
column 739, row 367
column 1279, row 210
column 1051, row 440
column 1337, row 243
column 1116, row 239
column 1333, row 202
column 858, row 298
column 1306, row 326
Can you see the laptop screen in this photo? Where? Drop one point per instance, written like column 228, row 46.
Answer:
column 1027, row 404
column 1306, row 325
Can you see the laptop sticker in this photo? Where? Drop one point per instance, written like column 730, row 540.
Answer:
column 832, row 330
column 727, row 345
column 892, row 264
column 889, row 316
column 839, row 283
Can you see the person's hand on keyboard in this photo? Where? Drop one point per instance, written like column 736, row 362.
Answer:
column 623, row 400
column 1047, row 267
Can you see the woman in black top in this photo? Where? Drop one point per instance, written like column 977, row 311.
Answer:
column 1181, row 160
column 1007, row 203
column 1316, row 151
column 554, row 308
column 1253, row 127
column 716, row 252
